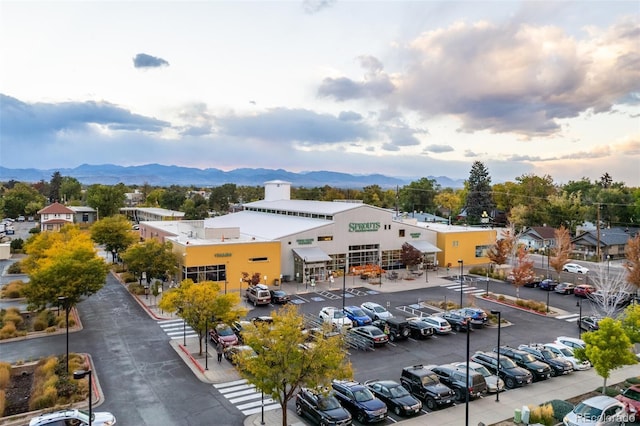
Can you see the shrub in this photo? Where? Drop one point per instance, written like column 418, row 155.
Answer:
column 48, row 398
column 542, row 414
column 128, row 277
column 5, row 375
column 136, row 288
column 39, row 325
column 13, row 315
column 47, row 316
column 15, row 268
column 51, row 329
column 3, row 402
column 16, row 245
column 633, row 380
column 8, row 331
column 13, row 290
column 560, row 408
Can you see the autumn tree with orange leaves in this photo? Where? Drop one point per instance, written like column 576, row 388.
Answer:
column 632, row 265
column 562, row 250
column 523, row 272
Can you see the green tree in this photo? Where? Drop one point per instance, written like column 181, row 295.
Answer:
column 54, row 187
column 152, row 258
column 62, row 263
column 373, row 195
column 222, row 196
column 17, row 198
column 607, row 348
column 173, row 197
column 565, row 210
column 153, row 198
column 448, row 202
column 479, row 196
column 631, row 322
column 285, row 363
column 114, row 233
column 419, row 195
column 199, row 305
column 70, row 189
column 107, row 200
column 195, row 208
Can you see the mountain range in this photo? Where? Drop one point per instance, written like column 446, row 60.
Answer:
column 162, row 175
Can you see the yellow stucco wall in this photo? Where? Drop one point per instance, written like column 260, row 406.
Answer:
column 463, row 246
column 238, row 258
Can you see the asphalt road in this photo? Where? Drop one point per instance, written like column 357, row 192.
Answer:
column 144, row 380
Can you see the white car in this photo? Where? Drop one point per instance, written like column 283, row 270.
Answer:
column 441, row 325
column 494, row 383
column 69, row 417
column 567, row 353
column 336, row 317
column 575, row 268
column 375, row 311
column 572, row 342
column 597, row 411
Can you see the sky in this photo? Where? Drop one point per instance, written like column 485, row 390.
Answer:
column 401, row 88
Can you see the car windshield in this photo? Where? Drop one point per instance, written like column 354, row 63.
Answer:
column 225, row 331
column 379, row 309
column 482, row 370
column 507, row 363
column 279, row 293
column 566, row 352
column 429, row 379
column 398, row 391
column 632, row 394
column 338, row 314
column 84, row 416
column 587, row 411
column 375, row 331
column 547, row 354
column 328, row 403
column 357, row 312
column 362, row 395
column 528, row 358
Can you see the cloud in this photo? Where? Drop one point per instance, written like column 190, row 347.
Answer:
column 517, row 78
column 315, row 6
column 22, row 121
column 142, row 60
column 438, row 149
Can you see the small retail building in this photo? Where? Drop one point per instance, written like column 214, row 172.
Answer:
column 305, row 241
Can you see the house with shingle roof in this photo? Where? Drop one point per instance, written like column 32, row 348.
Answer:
column 536, row 238
column 612, row 242
column 55, row 216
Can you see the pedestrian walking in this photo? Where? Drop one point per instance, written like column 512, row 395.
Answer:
column 219, row 350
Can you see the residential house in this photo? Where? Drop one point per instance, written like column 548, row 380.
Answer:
column 538, row 238
column 612, row 242
column 55, row 216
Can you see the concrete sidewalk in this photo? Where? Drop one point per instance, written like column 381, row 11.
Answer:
column 485, row 410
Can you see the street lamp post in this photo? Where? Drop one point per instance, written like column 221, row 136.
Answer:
column 461, row 263
column 547, row 250
column 206, row 343
column 466, row 400
column 262, row 407
column 608, row 260
column 63, row 300
column 499, row 314
column 548, row 292
column 304, row 272
column 81, row 374
column 579, row 303
column 344, row 285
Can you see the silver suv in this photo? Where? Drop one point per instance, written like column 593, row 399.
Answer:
column 258, row 294
column 73, row 417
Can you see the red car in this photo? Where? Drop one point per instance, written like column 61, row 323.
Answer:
column 583, row 290
column 223, row 333
column 631, row 397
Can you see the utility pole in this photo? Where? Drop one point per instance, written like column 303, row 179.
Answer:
column 598, row 232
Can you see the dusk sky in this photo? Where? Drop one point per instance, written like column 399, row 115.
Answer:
column 404, row 89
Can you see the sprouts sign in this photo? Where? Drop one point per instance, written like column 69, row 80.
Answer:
column 364, row 227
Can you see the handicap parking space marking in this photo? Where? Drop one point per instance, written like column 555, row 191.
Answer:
column 298, row 301
column 317, row 299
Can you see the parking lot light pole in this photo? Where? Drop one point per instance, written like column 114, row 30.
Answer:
column 466, row 402
column 579, row 303
column 206, row 343
column 499, row 314
column 461, row 263
column 548, row 301
column 344, row 285
column 63, row 300
column 80, row 374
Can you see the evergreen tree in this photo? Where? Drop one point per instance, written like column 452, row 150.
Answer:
column 479, row 198
column 54, row 187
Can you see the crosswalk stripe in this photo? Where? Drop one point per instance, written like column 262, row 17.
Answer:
column 245, row 397
column 258, row 409
column 228, row 384
column 567, row 316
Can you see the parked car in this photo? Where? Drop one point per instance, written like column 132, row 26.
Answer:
column 583, row 290
column 223, row 333
column 424, row 384
column 73, row 417
column 258, row 294
column 539, row 370
column 359, row 401
column 631, row 397
column 323, row 408
column 396, row 397
column 279, row 297
column 357, row 316
column 589, row 323
column 611, row 298
column 238, row 326
column 575, row 268
column 559, row 366
column 336, row 317
column 375, row 311
column 477, row 316
column 565, row 288
column 231, row 353
column 548, row 284
column 20, row 218
column 571, row 342
column 494, row 383
column 596, row 411
column 456, row 379
column 372, row 333
column 458, row 322
column 567, row 353
column 512, row 375
column 420, row 329
column 440, row 324
column 395, row 328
